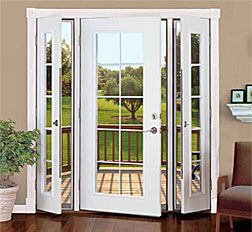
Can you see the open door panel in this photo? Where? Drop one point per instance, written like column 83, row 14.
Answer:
column 49, row 114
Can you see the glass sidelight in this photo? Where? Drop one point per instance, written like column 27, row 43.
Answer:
column 177, row 114
column 119, row 65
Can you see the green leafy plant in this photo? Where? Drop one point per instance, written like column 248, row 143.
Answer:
column 17, row 149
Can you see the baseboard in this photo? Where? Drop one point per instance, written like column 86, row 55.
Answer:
column 29, row 207
column 19, row 209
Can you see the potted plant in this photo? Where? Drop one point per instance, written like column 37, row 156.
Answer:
column 17, row 149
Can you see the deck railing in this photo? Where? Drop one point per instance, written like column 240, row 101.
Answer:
column 107, row 141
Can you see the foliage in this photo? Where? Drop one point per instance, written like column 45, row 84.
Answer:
column 17, row 148
column 131, row 85
column 195, row 43
column 66, row 58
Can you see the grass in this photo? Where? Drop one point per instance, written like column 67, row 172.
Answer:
column 108, row 113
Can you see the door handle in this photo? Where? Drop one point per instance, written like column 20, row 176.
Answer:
column 186, row 124
column 55, row 123
column 152, row 130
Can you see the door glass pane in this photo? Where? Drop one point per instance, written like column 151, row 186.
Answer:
column 178, row 110
column 132, row 146
column 196, row 177
column 48, row 179
column 195, row 106
column 132, row 113
column 120, row 118
column 48, row 112
column 132, row 80
column 48, row 145
column 108, row 80
column 108, row 112
column 107, row 178
column 48, row 42
column 48, row 80
column 108, row 48
column 164, row 128
column 131, row 179
column 195, row 48
column 132, row 48
column 196, row 140
column 66, row 113
column 195, row 112
column 107, row 145
column 195, row 81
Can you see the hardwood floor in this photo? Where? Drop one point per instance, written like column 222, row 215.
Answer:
column 101, row 222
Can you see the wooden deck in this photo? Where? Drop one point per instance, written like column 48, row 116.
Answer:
column 132, row 184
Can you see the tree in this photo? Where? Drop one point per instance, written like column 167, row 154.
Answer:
column 131, row 85
column 66, row 59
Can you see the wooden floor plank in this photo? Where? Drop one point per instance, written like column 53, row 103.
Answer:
column 104, row 222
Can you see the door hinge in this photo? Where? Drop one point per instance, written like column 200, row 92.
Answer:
column 36, row 40
column 79, row 113
column 79, row 184
column 79, row 40
column 60, row 73
column 211, row 185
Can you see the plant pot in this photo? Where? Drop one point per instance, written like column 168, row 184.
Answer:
column 7, row 201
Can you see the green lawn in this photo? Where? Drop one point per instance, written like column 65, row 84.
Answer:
column 66, row 121
column 108, row 113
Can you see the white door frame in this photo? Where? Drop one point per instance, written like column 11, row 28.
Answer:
column 91, row 199
column 32, row 14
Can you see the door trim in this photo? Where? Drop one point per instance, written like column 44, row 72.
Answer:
column 33, row 13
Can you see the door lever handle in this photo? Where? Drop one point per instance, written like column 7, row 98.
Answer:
column 55, row 123
column 152, row 130
column 186, row 124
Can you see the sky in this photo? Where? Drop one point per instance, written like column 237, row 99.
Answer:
column 108, row 45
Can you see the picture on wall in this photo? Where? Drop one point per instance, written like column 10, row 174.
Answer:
column 249, row 93
column 237, row 95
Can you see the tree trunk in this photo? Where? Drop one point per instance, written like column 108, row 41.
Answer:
column 133, row 115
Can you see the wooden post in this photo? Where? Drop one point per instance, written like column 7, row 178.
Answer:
column 68, row 150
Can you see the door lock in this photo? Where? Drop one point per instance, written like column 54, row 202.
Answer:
column 55, row 123
column 154, row 116
column 152, row 130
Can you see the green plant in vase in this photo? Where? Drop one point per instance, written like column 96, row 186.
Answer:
column 17, row 149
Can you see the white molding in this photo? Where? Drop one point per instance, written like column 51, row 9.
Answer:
column 242, row 112
column 214, row 85
column 94, row 13
column 30, row 13
column 28, row 207
column 170, row 165
column 30, row 202
column 213, row 14
column 76, row 122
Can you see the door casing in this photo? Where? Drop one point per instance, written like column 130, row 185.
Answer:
column 33, row 13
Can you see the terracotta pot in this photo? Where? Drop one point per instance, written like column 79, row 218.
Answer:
column 7, row 201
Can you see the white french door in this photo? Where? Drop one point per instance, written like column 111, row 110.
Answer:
column 120, row 115
column 195, row 183
column 48, row 114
